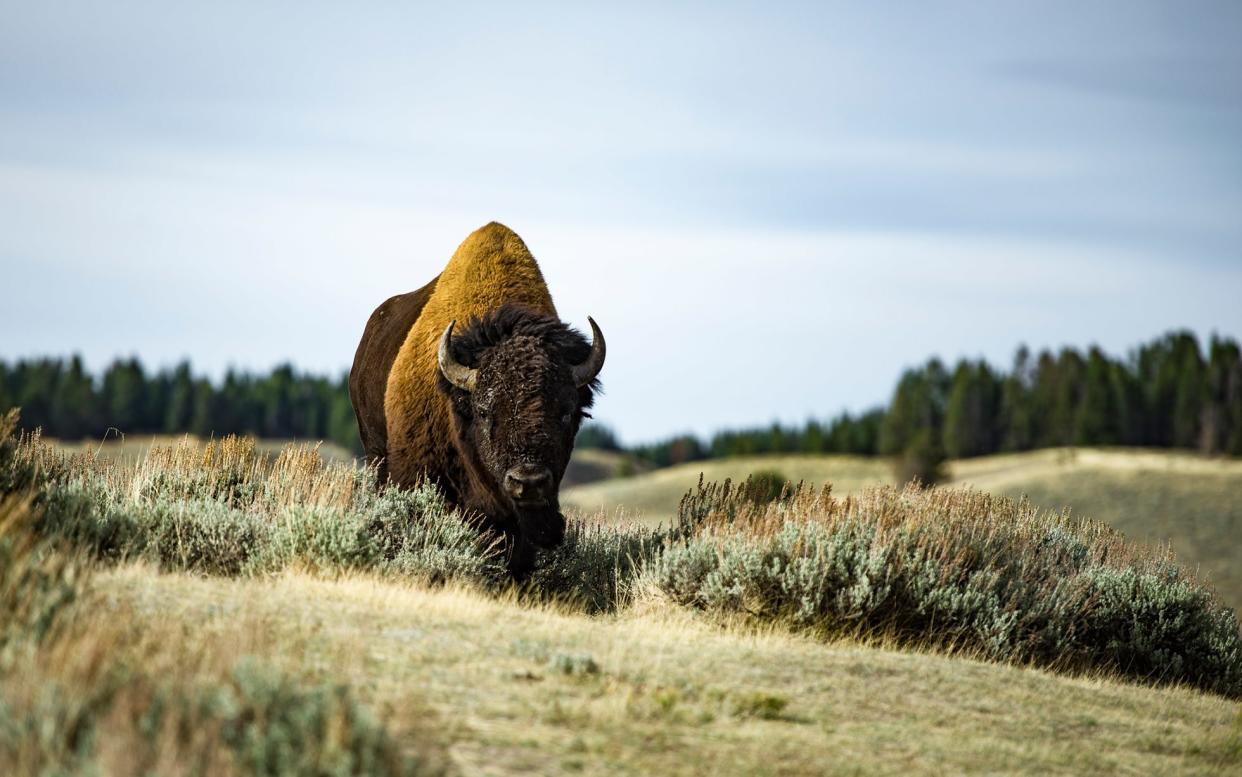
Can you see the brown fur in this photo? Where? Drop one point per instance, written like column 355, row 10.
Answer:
column 492, row 267
column 368, row 379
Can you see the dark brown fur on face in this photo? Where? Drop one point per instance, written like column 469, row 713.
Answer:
column 521, row 417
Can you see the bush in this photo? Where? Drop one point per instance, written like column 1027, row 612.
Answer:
column 596, row 566
column 956, row 570
column 252, row 721
column 81, row 692
column 37, row 584
column 922, row 462
column 224, row 509
column 765, row 485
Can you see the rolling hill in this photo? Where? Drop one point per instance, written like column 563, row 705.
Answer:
column 1192, row 502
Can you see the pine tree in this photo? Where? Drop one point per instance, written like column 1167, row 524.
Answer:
column 1015, row 415
column 123, row 397
column 972, row 415
column 180, row 409
column 1191, row 393
column 1098, row 417
column 73, row 402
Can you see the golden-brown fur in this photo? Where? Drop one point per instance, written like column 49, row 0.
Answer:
column 491, row 267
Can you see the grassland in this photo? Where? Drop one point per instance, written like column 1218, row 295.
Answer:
column 519, row 689
column 131, row 448
column 1190, row 502
column 231, row 613
column 652, row 497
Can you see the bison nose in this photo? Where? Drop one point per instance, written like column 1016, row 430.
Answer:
column 528, row 481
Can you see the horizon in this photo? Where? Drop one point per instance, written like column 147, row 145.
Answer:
column 96, row 373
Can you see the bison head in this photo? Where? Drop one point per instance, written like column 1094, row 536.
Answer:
column 520, row 383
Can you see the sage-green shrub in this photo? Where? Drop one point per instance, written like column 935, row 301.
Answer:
column 949, row 569
column 957, row 570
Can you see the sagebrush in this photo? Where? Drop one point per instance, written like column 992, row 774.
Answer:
column 951, row 569
column 84, row 690
column 946, row 569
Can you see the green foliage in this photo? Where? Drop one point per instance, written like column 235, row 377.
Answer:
column 917, row 409
column 276, row 727
column 60, row 397
column 253, row 721
column 956, row 570
column 764, row 706
column 576, row 664
column 596, row 565
column 844, row 434
column 766, row 485
column 973, row 404
column 596, row 435
column 223, row 509
column 922, row 461
column 1167, row 394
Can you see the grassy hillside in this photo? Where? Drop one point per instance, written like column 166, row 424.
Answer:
column 1154, row 496
column 212, row 610
column 591, row 465
column 133, row 447
column 1195, row 504
column 512, row 689
column 653, row 497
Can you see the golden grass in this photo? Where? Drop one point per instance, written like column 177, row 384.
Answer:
column 507, row 687
column 130, row 448
column 673, row 693
column 652, row 498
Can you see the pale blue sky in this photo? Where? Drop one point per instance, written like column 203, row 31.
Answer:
column 772, row 208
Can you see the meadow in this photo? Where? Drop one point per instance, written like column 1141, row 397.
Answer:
column 215, row 609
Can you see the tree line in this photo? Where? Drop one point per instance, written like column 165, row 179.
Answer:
column 847, row 433
column 60, row 396
column 1169, row 393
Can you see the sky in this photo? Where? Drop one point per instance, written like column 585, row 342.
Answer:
column 771, row 209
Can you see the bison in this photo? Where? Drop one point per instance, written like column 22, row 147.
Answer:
column 475, row 384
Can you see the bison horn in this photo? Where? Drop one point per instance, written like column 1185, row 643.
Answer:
column 458, row 374
column 585, row 373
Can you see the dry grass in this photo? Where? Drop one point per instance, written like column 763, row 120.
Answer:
column 652, row 498
column 133, row 447
column 90, row 685
column 497, row 683
column 538, row 690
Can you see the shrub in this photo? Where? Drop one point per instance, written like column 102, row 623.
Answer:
column 37, row 584
column 596, row 565
column 765, row 485
column 224, row 509
column 254, row 720
column 922, row 461
column 957, row 570
column 81, row 692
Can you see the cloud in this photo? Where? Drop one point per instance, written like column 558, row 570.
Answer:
column 834, row 191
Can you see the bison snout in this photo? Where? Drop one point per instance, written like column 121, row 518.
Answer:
column 528, row 482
